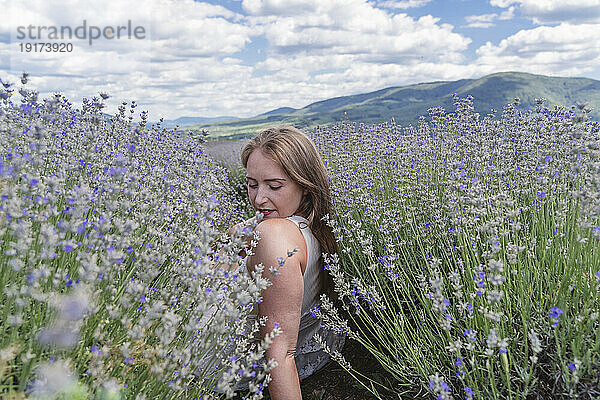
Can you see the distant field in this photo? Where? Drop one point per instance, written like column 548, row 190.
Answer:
column 246, row 128
column 226, row 151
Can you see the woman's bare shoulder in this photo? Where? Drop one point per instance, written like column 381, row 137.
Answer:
column 280, row 229
column 279, row 236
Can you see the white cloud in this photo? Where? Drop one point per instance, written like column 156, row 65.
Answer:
column 555, row 11
column 507, row 14
column 565, row 49
column 190, row 63
column 476, row 24
column 342, row 27
column 283, row 7
column 186, row 53
column 481, row 21
column 403, row 4
column 502, row 3
column 487, row 20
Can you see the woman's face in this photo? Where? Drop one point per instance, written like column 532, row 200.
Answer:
column 270, row 189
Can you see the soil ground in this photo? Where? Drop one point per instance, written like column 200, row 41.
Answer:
column 332, row 382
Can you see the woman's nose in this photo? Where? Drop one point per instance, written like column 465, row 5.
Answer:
column 261, row 196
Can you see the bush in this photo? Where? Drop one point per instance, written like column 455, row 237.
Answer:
column 469, row 259
column 109, row 284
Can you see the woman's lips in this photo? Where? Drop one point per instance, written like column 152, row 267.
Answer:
column 266, row 212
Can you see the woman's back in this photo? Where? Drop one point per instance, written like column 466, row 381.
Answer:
column 309, row 356
column 311, row 276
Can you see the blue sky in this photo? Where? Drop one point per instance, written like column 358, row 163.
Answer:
column 245, row 57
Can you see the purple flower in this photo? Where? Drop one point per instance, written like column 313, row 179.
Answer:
column 445, row 387
column 469, row 393
column 572, row 367
column 555, row 313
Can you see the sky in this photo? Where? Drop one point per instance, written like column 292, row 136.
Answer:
column 245, row 57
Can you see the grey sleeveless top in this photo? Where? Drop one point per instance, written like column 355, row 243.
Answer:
column 312, row 281
column 309, row 355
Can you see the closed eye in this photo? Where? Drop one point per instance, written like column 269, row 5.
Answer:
column 272, row 187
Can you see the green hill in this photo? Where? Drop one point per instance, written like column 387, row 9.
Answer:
column 405, row 104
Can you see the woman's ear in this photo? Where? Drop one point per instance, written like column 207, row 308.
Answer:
column 305, row 192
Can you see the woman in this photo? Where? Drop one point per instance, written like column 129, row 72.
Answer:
column 287, row 183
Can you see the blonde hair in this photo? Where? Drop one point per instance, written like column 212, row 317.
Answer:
column 299, row 158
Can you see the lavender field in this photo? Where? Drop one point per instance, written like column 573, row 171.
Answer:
column 469, row 263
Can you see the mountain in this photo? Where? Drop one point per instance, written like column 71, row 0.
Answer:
column 406, row 103
column 281, row 110
column 190, row 121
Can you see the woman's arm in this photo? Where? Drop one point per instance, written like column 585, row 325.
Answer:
column 282, row 301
